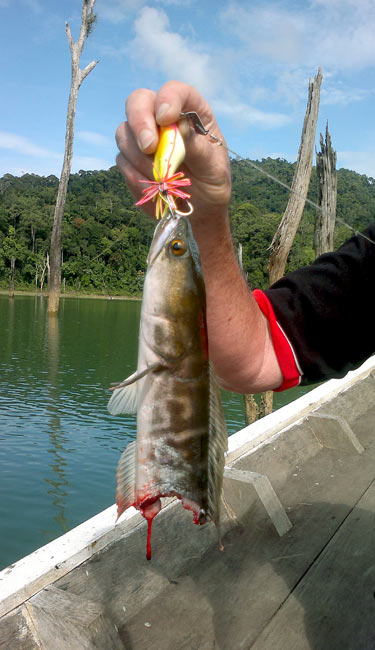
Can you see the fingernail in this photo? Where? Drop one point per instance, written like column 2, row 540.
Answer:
column 145, row 138
column 163, row 108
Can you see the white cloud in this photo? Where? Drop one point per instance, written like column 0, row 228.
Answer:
column 337, row 33
column 35, row 6
column 362, row 162
column 89, row 162
column 338, row 94
column 266, row 30
column 116, row 11
column 4, row 3
column 24, row 146
column 96, row 139
column 33, row 159
column 175, row 56
column 246, row 114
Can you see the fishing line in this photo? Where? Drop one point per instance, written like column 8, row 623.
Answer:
column 200, row 128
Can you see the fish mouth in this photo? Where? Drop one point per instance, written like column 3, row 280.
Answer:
column 163, row 231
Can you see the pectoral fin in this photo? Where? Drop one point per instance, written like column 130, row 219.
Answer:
column 125, row 395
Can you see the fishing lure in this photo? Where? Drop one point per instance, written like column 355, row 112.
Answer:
column 168, row 183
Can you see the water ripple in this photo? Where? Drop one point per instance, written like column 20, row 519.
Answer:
column 59, row 446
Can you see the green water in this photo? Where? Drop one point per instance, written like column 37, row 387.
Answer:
column 59, row 446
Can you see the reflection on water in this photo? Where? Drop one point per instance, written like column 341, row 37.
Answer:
column 59, row 446
column 58, row 484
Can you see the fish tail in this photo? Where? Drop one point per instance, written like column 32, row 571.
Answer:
column 125, row 496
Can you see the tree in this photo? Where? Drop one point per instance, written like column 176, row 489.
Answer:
column 87, row 22
column 327, row 175
column 13, row 250
column 284, row 236
column 283, row 239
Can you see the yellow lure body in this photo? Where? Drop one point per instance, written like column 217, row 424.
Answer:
column 168, row 157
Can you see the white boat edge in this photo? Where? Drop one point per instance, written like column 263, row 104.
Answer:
column 22, row 580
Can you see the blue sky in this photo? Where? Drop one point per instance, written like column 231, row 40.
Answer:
column 252, row 60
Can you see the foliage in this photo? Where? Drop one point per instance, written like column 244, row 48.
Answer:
column 105, row 238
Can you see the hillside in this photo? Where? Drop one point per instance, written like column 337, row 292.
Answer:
column 106, row 239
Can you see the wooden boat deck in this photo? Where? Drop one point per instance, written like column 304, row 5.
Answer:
column 311, row 589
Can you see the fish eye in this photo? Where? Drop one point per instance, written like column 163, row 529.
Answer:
column 178, row 247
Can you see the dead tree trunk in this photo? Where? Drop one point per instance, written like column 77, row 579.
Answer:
column 78, row 75
column 284, row 236
column 45, row 268
column 327, row 177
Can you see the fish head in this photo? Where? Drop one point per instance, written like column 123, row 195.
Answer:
column 173, row 245
column 174, row 294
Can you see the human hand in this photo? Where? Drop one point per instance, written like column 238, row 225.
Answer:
column 206, row 163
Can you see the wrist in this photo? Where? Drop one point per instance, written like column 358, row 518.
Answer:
column 211, row 225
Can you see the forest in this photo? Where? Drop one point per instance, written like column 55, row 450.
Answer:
column 106, row 238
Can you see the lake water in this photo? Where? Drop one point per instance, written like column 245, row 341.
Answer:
column 59, row 446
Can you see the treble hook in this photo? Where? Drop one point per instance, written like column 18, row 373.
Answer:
column 173, row 211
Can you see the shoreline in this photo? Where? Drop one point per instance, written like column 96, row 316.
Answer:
column 69, row 294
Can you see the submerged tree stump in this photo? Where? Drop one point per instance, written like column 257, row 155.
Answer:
column 284, row 236
column 88, row 19
column 327, row 177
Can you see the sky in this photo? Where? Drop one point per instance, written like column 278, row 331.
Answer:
column 252, row 60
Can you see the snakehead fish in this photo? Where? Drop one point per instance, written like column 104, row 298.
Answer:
column 181, row 430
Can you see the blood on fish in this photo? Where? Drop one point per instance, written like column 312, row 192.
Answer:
column 149, row 509
column 151, row 506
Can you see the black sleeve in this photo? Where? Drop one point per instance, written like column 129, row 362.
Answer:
column 327, row 309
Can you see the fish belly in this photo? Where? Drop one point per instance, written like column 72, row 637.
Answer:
column 172, row 442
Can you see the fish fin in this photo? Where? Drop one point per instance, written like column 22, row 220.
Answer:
column 125, row 395
column 124, row 400
column 217, row 446
column 125, row 495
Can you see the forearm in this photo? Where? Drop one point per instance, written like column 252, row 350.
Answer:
column 240, row 345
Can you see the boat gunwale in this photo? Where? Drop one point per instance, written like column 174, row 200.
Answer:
column 29, row 575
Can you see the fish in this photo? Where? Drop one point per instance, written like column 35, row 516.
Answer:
column 181, row 431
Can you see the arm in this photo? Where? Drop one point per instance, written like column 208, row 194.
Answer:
column 240, row 344
column 326, row 309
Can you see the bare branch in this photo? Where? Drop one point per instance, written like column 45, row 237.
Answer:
column 87, row 70
column 87, row 22
column 69, row 36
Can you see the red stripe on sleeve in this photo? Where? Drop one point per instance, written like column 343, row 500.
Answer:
column 283, row 348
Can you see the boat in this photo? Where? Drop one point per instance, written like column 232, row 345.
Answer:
column 298, row 567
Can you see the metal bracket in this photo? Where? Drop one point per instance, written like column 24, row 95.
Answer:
column 334, row 432
column 266, row 494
